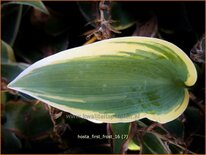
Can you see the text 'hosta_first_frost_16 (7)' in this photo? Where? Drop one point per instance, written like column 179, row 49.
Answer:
column 115, row 80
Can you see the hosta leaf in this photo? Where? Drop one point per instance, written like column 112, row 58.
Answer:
column 133, row 146
column 123, row 19
column 151, row 144
column 37, row 4
column 115, row 80
column 10, row 71
column 11, row 19
column 123, row 137
column 90, row 11
column 7, row 53
column 120, row 131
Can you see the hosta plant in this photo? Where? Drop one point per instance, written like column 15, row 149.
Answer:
column 115, row 80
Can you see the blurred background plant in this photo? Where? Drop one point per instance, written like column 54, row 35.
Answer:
column 32, row 30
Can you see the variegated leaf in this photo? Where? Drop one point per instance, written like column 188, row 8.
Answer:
column 115, row 80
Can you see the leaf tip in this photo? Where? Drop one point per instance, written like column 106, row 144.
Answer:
column 11, row 85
